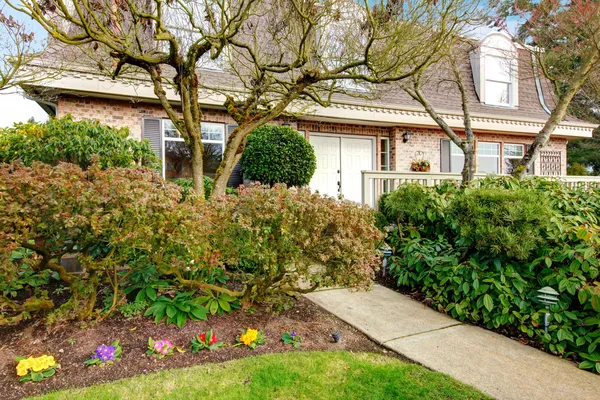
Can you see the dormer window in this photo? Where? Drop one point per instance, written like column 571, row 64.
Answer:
column 494, row 66
column 498, row 81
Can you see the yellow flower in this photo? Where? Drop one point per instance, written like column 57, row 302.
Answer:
column 249, row 337
column 21, row 370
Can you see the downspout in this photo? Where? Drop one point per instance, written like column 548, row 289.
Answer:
column 538, row 86
column 50, row 107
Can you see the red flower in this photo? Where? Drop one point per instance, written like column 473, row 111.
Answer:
column 202, row 338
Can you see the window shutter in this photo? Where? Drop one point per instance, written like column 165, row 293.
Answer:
column 236, row 178
column 152, row 130
column 445, row 156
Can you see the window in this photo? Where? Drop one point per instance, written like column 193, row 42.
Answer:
column 498, row 81
column 488, row 158
column 177, row 157
column 513, row 153
column 385, row 154
column 457, row 158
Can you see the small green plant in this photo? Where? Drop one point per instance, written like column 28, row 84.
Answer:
column 130, row 310
column 292, row 338
column 176, row 310
column 217, row 303
column 71, row 341
column 206, row 340
column 105, row 355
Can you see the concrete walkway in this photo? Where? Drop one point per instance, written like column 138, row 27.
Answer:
column 496, row 365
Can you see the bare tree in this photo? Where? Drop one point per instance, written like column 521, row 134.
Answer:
column 17, row 49
column 282, row 56
column 449, row 71
column 304, row 53
column 564, row 38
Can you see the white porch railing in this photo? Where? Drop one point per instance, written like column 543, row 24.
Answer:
column 376, row 183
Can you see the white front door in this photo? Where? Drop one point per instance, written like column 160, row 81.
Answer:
column 340, row 161
column 357, row 155
column 327, row 175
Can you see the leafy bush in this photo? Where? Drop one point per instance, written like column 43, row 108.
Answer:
column 278, row 154
column 187, row 187
column 500, row 243
column 284, row 237
column 176, row 310
column 500, row 221
column 102, row 215
column 64, row 140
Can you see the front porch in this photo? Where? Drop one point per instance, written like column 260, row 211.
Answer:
column 376, row 183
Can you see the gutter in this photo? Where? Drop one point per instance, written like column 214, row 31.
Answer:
column 538, row 86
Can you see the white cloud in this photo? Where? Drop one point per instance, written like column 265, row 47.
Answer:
column 16, row 108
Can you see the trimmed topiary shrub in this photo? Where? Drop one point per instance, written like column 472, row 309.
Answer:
column 501, row 222
column 65, row 140
column 278, row 154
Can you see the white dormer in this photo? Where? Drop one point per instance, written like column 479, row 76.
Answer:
column 495, row 65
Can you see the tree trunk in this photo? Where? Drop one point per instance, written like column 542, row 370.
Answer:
column 557, row 115
column 231, row 156
column 191, row 121
column 470, row 167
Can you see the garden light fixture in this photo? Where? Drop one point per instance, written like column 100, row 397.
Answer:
column 387, row 252
column 406, row 136
column 547, row 296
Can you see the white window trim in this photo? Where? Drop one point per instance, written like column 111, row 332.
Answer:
column 180, row 139
column 477, row 59
column 386, row 152
column 504, row 156
column 498, row 157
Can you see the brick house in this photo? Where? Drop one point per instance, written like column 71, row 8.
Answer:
column 508, row 108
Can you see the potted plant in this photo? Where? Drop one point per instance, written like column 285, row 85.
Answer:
column 420, row 166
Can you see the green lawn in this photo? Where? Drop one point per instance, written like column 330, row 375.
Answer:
column 301, row 375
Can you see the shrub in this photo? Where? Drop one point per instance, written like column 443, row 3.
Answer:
column 187, row 187
column 103, row 216
column 413, row 204
column 64, row 140
column 499, row 221
column 499, row 244
column 577, row 169
column 292, row 240
column 278, row 154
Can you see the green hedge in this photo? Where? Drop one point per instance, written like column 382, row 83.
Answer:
column 65, row 140
column 278, row 154
column 481, row 254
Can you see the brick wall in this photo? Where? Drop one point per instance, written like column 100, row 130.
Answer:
column 427, row 141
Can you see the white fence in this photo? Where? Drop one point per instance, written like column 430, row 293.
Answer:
column 376, row 183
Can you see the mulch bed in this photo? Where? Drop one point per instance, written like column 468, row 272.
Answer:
column 314, row 324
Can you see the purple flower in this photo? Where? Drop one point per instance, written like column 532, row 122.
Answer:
column 105, row 353
column 293, row 334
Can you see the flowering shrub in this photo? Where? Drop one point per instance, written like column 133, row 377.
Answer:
column 251, row 338
column 292, row 338
column 293, row 240
column 206, row 340
column 101, row 215
column 35, row 368
column 160, row 348
column 105, row 355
